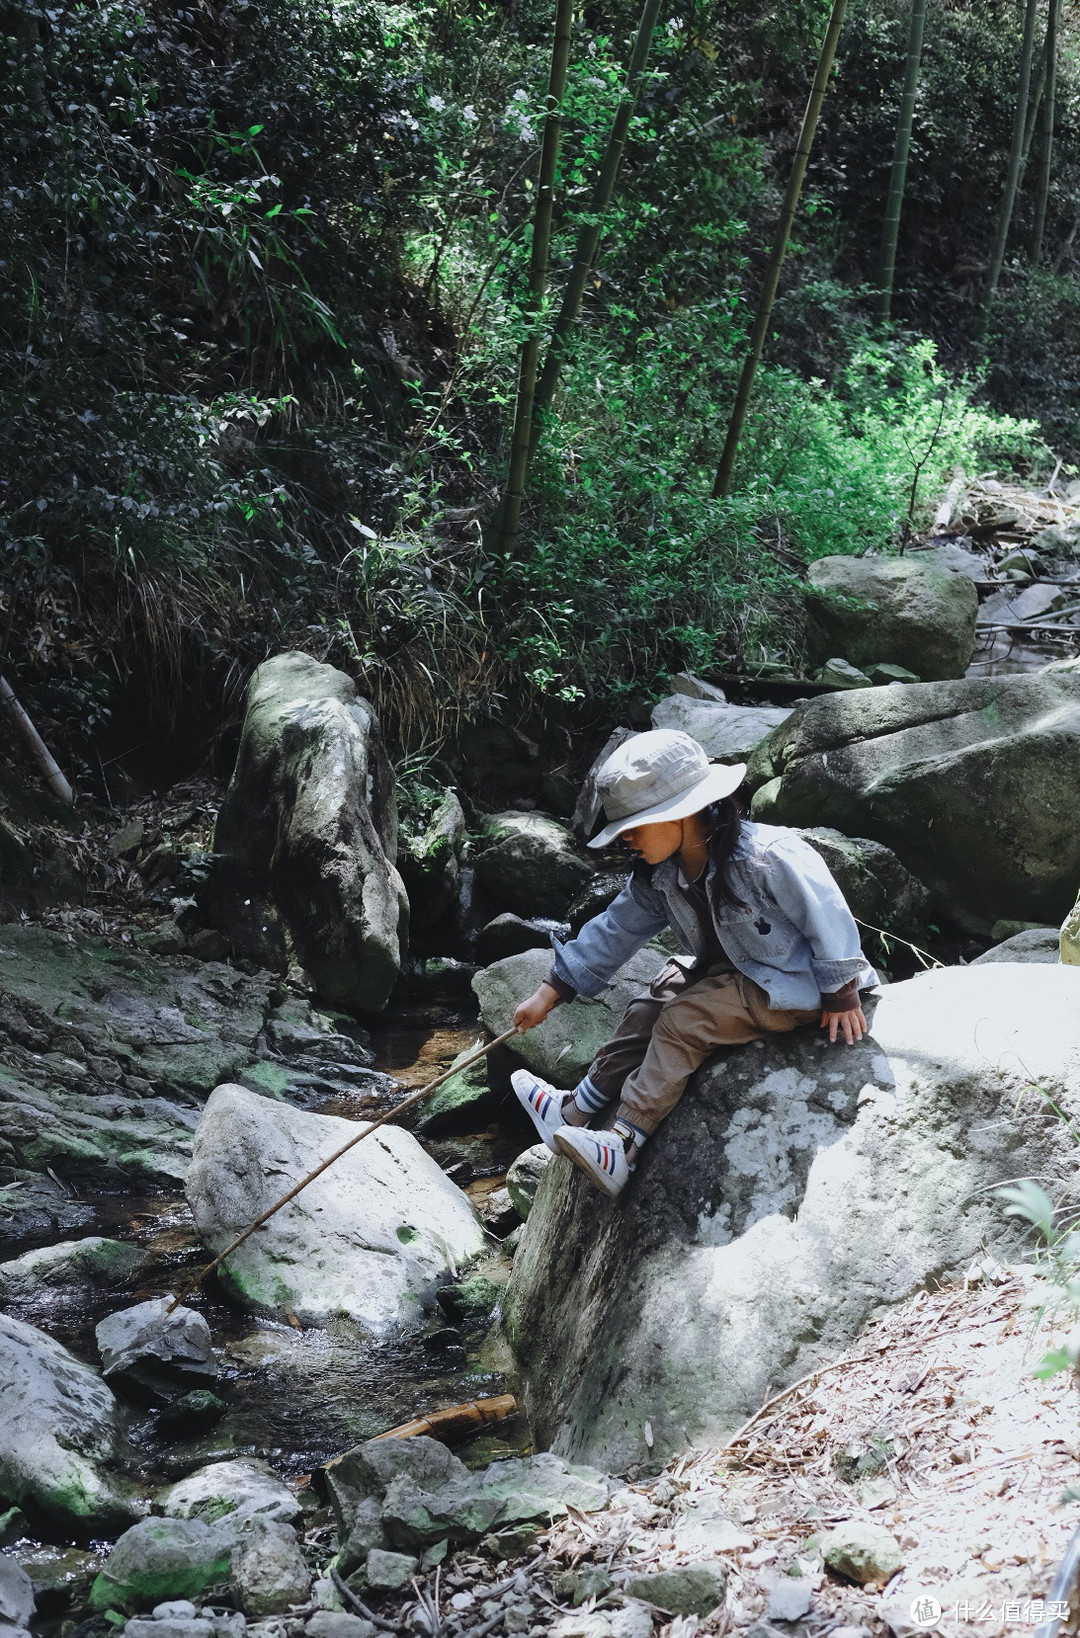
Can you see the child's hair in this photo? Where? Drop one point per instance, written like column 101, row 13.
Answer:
column 723, row 820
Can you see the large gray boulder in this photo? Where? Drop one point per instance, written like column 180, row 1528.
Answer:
column 528, row 863
column 727, row 732
column 973, row 784
column 879, row 891
column 367, row 1239
column 307, row 835
column 565, row 1044
column 62, row 1434
column 160, row 1559
column 795, row 1190
column 894, row 609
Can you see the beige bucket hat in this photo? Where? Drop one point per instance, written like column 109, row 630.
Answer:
column 663, row 774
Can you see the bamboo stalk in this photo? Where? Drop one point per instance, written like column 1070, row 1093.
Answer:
column 1046, row 157
column 776, row 261
column 898, row 178
column 589, row 236
column 383, row 1120
column 40, row 752
column 521, row 439
column 1012, row 175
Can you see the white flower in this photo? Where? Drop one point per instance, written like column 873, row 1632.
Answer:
column 438, row 103
column 520, row 96
column 468, row 114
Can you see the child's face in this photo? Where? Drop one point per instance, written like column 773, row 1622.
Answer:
column 656, row 842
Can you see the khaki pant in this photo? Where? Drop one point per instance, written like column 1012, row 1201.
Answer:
column 668, row 1032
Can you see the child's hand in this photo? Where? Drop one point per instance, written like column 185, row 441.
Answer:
column 852, row 1023
column 536, row 1007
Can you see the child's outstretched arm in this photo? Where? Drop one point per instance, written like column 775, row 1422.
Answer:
column 803, row 886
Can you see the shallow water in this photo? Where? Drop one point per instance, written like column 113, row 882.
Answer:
column 297, row 1396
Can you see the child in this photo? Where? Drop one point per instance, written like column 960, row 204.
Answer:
column 772, row 946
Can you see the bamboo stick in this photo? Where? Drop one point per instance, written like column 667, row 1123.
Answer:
column 898, row 177
column 1047, row 155
column 589, row 237
column 1012, row 175
column 521, row 440
column 776, row 261
column 40, row 752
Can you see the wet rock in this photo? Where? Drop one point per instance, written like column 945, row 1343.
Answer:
column 429, row 859
column 191, row 1412
column 388, row 1571
column 728, row 732
column 565, row 1044
column 877, row 887
column 862, row 1552
column 176, row 1609
column 366, row 1239
column 62, row 1434
column 307, row 835
column 33, row 1206
column 93, row 1261
column 268, row 1569
column 1040, row 945
column 840, row 674
column 16, row 1594
column 795, row 1190
column 464, row 1102
column 60, row 1576
column 896, row 610
column 509, row 935
column 524, row 1177
column 688, row 1589
column 507, row 1492
column 240, row 1489
column 13, row 1526
column 790, row 1598
column 596, row 897
column 162, row 1559
column 127, row 840
column 529, row 864
column 470, row 1301
column 498, row 1212
column 972, row 784
column 150, row 1351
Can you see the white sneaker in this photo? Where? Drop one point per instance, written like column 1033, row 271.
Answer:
column 600, row 1155
column 541, row 1102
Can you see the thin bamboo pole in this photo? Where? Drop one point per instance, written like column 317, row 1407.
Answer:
column 1046, row 158
column 898, row 178
column 589, row 237
column 1012, row 175
column 510, row 521
column 776, row 261
column 40, row 752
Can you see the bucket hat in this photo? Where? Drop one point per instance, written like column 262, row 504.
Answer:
column 663, row 774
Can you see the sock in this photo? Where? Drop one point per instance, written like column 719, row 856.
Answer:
column 588, row 1099
column 633, row 1137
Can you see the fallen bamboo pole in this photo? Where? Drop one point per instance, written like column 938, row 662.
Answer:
column 40, row 752
column 456, row 1422
column 383, row 1120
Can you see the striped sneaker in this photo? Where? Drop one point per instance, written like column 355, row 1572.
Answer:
column 600, row 1155
column 541, row 1102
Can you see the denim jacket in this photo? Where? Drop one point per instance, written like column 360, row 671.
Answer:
column 795, row 935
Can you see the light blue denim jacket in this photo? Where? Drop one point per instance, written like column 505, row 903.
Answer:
column 795, row 937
